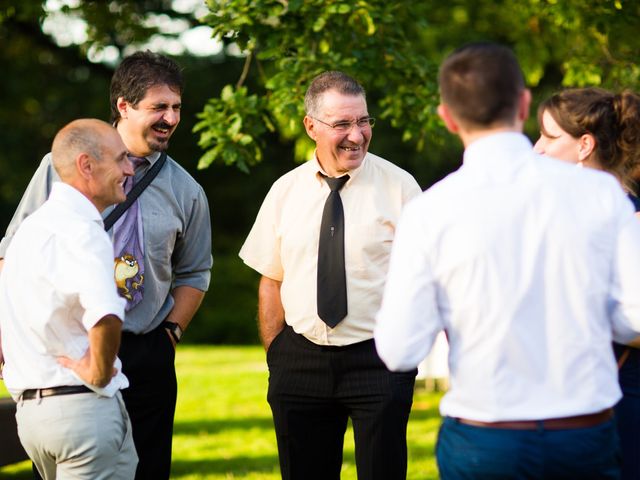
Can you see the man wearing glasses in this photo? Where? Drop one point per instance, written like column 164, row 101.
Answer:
column 321, row 242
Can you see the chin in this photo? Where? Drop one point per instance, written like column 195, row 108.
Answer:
column 158, row 146
column 352, row 163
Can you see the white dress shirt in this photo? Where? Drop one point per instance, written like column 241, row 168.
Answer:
column 56, row 284
column 531, row 266
column 283, row 243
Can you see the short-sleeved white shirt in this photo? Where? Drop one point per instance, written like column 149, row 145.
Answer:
column 56, row 284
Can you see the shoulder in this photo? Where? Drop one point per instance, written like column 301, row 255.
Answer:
column 386, row 168
column 390, row 178
column 297, row 177
column 71, row 231
column 178, row 173
column 563, row 174
column 176, row 179
column 304, row 170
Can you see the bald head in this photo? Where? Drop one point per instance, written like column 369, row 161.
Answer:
column 89, row 155
column 85, row 136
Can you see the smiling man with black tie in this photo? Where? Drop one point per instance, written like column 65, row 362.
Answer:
column 322, row 241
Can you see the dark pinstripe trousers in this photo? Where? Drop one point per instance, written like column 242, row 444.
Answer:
column 314, row 390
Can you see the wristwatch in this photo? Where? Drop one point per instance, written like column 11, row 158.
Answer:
column 174, row 329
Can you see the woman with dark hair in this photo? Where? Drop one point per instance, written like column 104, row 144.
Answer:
column 599, row 129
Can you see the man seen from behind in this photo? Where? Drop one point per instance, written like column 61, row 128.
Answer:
column 531, row 266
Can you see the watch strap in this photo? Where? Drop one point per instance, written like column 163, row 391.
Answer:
column 174, row 330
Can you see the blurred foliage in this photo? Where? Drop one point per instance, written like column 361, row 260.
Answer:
column 394, row 48
column 115, row 23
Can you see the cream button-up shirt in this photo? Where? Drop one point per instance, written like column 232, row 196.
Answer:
column 283, row 243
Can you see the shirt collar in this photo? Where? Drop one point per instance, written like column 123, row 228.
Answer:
column 499, row 146
column 75, row 201
column 153, row 158
column 319, row 171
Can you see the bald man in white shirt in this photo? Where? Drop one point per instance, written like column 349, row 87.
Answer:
column 531, row 266
column 61, row 316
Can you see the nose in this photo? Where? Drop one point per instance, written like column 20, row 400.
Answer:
column 355, row 134
column 539, row 146
column 171, row 116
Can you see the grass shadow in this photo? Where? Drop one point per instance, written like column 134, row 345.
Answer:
column 193, row 427
column 237, row 467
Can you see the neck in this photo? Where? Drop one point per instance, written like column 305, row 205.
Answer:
column 134, row 147
column 85, row 190
column 470, row 136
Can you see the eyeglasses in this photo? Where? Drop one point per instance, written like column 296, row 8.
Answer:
column 344, row 127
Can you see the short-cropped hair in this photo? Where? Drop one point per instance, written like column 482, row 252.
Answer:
column 481, row 84
column 332, row 80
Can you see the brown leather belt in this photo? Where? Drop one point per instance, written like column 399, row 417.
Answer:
column 564, row 423
column 34, row 393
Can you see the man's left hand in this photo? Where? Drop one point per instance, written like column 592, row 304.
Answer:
column 85, row 370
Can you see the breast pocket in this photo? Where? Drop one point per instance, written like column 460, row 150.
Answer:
column 161, row 233
column 368, row 246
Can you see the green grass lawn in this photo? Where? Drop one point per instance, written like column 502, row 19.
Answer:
column 223, row 428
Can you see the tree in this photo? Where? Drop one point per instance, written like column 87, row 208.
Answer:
column 394, row 48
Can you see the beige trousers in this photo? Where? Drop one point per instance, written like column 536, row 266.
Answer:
column 79, row 436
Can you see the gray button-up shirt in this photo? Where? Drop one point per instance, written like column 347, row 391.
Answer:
column 177, row 236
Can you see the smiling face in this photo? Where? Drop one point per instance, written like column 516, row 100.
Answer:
column 339, row 152
column 555, row 142
column 110, row 172
column 147, row 126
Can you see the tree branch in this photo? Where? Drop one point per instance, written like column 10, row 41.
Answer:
column 245, row 70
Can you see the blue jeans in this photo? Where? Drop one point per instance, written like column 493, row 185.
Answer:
column 468, row 452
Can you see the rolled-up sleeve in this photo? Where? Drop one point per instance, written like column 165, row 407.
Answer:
column 91, row 277
column 192, row 259
column 261, row 249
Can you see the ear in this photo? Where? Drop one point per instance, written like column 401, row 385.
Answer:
column 524, row 104
column 586, row 146
column 447, row 118
column 122, row 105
column 309, row 127
column 84, row 166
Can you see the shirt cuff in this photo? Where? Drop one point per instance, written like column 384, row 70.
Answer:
column 94, row 314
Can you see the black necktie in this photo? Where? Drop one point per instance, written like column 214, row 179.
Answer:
column 332, row 281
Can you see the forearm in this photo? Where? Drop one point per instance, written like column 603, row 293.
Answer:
column 270, row 311
column 187, row 300
column 104, row 343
